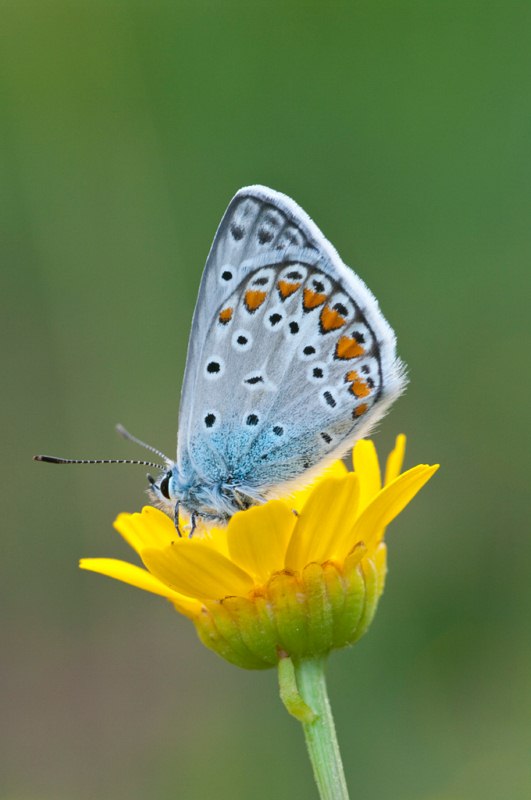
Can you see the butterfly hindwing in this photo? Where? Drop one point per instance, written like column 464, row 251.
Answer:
column 290, row 358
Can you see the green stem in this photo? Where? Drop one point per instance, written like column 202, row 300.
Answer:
column 310, row 685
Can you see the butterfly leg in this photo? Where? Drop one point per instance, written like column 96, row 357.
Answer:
column 176, row 520
column 193, row 521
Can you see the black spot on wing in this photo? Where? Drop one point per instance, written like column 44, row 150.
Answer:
column 329, row 399
column 264, row 236
column 341, row 309
column 237, row 231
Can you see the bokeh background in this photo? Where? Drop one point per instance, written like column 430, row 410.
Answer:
column 404, row 128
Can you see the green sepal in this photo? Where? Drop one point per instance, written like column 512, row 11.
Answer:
column 371, row 582
column 220, row 633
column 349, row 618
column 320, row 620
column 290, row 612
column 256, row 629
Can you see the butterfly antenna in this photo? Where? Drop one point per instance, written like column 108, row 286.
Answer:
column 126, row 435
column 55, row 460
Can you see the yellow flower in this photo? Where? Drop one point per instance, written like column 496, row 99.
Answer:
column 298, row 576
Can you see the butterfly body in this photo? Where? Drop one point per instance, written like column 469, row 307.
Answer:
column 290, row 360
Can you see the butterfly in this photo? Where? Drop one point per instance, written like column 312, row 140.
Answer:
column 290, row 361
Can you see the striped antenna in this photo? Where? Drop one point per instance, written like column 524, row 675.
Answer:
column 55, row 460
column 122, row 431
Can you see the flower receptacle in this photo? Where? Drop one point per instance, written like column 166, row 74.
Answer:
column 326, row 607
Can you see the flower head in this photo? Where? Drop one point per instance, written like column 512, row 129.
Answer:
column 298, row 576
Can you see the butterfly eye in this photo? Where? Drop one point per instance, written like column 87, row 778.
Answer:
column 165, row 486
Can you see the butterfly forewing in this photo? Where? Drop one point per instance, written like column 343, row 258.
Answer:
column 290, row 358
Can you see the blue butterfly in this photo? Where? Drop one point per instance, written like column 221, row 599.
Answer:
column 290, row 361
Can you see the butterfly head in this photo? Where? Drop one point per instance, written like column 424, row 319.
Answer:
column 162, row 490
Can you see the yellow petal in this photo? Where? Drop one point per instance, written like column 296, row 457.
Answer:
column 390, row 502
column 329, row 511
column 335, row 470
column 136, row 576
column 395, row 459
column 380, row 562
column 297, row 500
column 367, row 468
column 216, row 538
column 257, row 538
column 197, row 570
column 151, row 528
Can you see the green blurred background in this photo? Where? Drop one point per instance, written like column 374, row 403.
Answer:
column 404, row 129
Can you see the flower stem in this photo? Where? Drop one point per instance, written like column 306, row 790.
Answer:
column 319, row 729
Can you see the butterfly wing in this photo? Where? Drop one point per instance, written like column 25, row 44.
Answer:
column 290, row 358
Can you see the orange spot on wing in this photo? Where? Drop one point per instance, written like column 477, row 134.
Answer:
column 254, row 299
column 286, row 289
column 348, row 348
column 360, row 388
column 225, row 316
column 359, row 410
column 331, row 320
column 312, row 299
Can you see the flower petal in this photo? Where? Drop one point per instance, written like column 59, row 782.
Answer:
column 390, row 502
column 215, row 538
column 257, row 538
column 297, row 500
column 330, row 509
column 367, row 468
column 395, row 459
column 142, row 579
column 150, row 528
column 195, row 569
